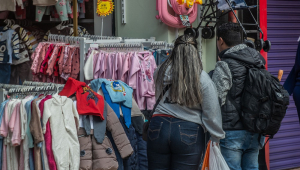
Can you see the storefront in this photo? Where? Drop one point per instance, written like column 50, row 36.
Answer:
column 283, row 18
column 136, row 22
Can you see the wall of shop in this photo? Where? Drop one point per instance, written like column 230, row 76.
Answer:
column 141, row 23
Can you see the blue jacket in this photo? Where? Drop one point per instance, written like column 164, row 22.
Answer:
column 119, row 91
column 294, row 77
column 131, row 163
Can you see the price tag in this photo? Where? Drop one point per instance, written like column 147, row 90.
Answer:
column 185, row 20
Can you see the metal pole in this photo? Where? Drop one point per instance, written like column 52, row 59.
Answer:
column 75, row 18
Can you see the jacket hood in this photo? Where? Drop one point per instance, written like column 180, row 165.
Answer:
column 59, row 100
column 244, row 54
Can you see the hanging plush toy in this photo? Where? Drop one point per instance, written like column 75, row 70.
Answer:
column 185, row 12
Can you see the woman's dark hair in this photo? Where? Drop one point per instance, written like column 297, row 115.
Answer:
column 184, row 67
column 230, row 33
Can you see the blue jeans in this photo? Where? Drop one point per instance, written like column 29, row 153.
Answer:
column 240, row 149
column 174, row 144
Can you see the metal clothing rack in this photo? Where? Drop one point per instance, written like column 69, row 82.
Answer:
column 95, row 41
column 28, row 86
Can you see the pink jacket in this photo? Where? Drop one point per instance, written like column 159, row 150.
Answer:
column 15, row 126
column 141, row 78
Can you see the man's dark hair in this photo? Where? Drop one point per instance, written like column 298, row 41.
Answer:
column 230, row 33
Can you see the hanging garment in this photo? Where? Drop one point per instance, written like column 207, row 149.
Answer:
column 36, row 131
column 119, row 91
column 141, row 78
column 96, row 155
column 48, row 137
column 89, row 102
column 28, row 139
column 10, row 5
column 12, row 45
column 64, row 131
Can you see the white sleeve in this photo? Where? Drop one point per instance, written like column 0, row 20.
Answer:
column 76, row 116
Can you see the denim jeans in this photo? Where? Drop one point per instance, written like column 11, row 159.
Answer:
column 174, row 144
column 240, row 149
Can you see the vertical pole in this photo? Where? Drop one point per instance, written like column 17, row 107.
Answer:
column 75, row 18
column 263, row 25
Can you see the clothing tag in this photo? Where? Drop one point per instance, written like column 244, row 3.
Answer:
column 185, row 20
column 94, row 45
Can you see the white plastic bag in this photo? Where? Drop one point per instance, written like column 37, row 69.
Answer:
column 216, row 160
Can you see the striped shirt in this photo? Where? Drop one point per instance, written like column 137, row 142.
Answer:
column 23, row 35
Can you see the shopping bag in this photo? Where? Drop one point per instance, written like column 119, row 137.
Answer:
column 205, row 165
column 216, row 160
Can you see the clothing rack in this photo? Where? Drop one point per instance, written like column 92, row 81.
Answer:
column 107, row 42
column 28, row 86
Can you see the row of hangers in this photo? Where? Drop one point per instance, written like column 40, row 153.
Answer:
column 22, row 92
column 122, row 46
column 24, row 23
column 30, row 87
column 65, row 39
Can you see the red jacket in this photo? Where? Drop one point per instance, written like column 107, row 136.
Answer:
column 88, row 101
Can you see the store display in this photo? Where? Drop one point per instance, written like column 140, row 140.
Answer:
column 135, row 68
column 42, row 130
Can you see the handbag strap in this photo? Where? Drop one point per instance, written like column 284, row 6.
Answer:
column 158, row 100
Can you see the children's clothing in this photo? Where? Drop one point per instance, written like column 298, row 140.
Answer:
column 141, row 78
column 116, row 106
column 9, row 49
column 119, row 91
column 63, row 127
column 61, row 8
column 88, row 101
column 36, row 131
column 48, row 137
column 10, row 5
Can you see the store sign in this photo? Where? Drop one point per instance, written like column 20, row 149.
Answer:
column 105, row 7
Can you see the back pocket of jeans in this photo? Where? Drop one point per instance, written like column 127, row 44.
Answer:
column 188, row 135
column 154, row 130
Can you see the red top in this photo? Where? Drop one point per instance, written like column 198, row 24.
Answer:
column 88, row 101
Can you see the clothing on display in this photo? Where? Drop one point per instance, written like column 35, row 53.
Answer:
column 55, row 62
column 17, row 45
column 134, row 68
column 61, row 9
column 51, row 134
